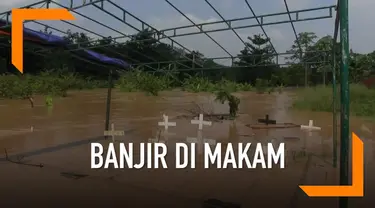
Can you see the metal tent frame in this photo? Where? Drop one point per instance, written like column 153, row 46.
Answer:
column 341, row 29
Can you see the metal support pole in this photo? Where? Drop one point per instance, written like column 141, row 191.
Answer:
column 241, row 23
column 260, row 25
column 334, row 107
column 334, row 85
column 297, row 39
column 199, row 28
column 324, row 71
column 144, row 24
column 306, row 72
column 109, row 97
column 229, row 25
column 344, row 77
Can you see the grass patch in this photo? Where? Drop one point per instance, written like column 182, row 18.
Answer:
column 362, row 100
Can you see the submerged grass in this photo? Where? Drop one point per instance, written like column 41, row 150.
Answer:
column 362, row 100
column 319, row 98
column 19, row 87
column 58, row 83
column 49, row 101
column 143, row 81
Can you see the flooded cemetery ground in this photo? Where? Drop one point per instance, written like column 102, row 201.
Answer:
column 50, row 152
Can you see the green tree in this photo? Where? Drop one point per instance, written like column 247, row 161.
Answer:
column 306, row 40
column 361, row 66
column 256, row 54
column 319, row 56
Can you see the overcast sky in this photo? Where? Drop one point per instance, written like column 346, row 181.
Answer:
column 160, row 15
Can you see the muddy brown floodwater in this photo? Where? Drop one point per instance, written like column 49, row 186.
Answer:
column 59, row 138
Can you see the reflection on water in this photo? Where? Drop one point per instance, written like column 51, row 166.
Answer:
column 82, row 116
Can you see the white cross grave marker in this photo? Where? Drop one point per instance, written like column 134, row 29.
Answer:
column 165, row 133
column 200, row 141
column 165, row 122
column 113, row 133
column 201, row 122
column 310, row 127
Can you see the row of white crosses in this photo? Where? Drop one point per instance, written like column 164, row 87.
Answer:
column 198, row 140
column 166, row 124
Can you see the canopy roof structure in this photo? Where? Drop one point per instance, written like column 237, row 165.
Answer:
column 123, row 16
column 128, row 19
column 42, row 38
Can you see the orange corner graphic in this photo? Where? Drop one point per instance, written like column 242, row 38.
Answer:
column 18, row 16
column 354, row 190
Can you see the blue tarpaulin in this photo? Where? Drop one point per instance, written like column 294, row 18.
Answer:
column 57, row 41
column 45, row 38
column 105, row 59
